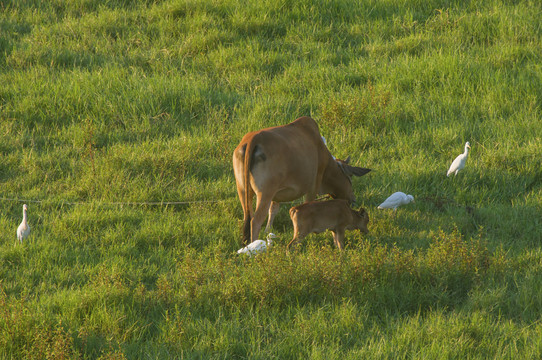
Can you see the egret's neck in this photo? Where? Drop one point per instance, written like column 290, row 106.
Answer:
column 466, row 153
column 25, row 217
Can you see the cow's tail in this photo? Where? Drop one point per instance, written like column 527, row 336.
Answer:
column 247, row 233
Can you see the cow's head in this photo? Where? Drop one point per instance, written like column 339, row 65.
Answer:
column 341, row 186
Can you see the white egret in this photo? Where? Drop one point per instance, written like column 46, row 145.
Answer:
column 459, row 162
column 257, row 246
column 24, row 229
column 395, row 200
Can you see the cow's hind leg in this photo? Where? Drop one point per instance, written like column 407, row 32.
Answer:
column 273, row 210
column 248, row 214
column 262, row 206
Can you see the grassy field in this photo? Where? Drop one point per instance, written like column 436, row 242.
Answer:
column 118, row 119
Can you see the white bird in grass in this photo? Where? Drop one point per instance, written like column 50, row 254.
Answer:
column 24, row 229
column 459, row 162
column 395, row 200
column 257, row 246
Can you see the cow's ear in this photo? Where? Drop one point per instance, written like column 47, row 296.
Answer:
column 347, row 161
column 356, row 171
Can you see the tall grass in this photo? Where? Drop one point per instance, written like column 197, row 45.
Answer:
column 117, row 124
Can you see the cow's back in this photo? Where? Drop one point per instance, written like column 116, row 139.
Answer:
column 288, row 142
column 303, row 126
column 286, row 159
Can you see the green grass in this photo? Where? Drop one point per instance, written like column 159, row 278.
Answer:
column 118, row 120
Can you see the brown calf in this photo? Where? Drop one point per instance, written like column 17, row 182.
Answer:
column 319, row 216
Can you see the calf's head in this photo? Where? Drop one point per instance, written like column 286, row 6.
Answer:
column 361, row 220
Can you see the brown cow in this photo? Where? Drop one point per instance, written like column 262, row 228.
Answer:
column 283, row 163
column 319, row 216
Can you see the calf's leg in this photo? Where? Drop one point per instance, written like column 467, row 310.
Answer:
column 338, row 238
column 296, row 240
column 297, row 236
